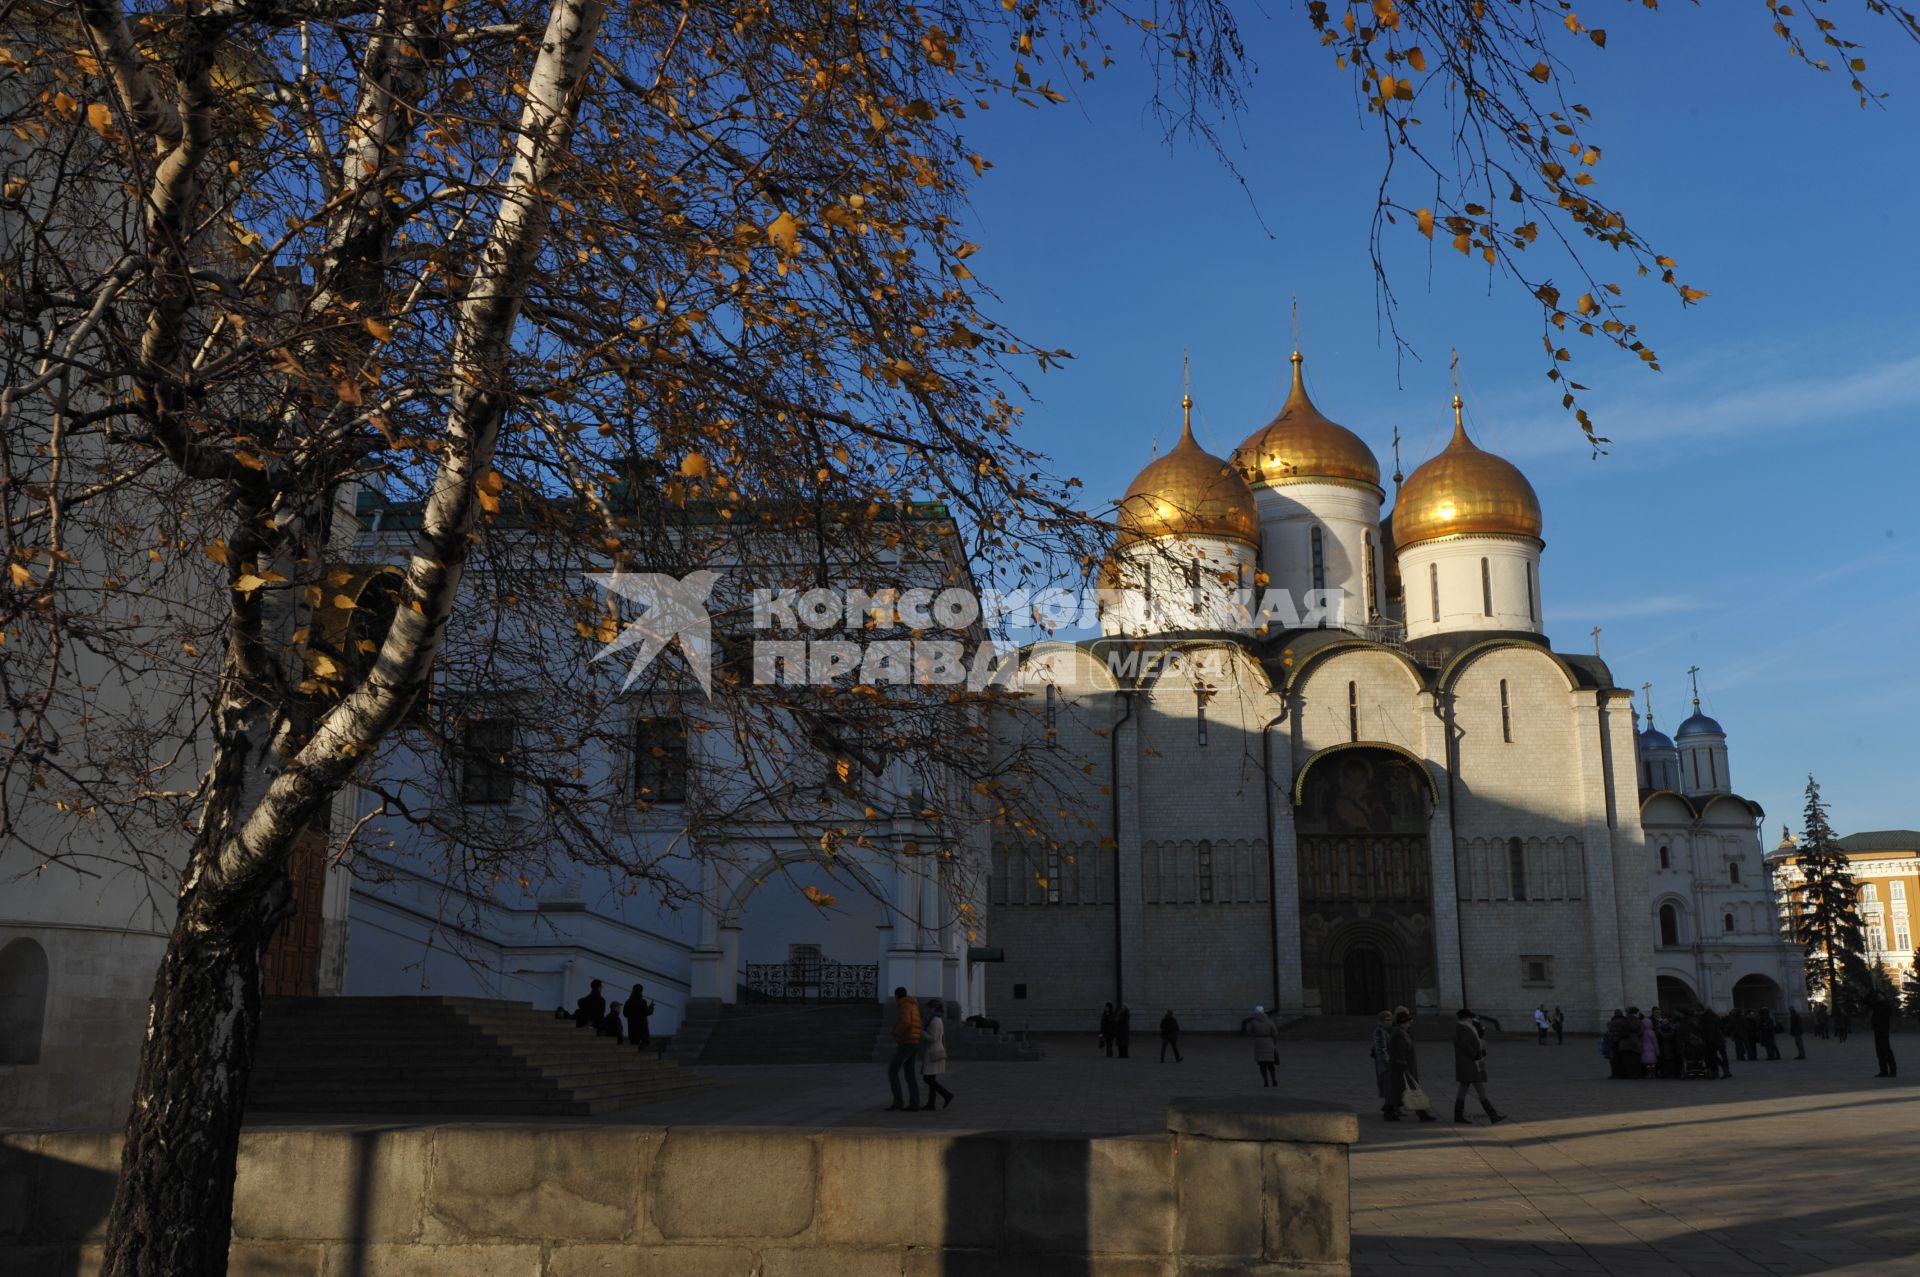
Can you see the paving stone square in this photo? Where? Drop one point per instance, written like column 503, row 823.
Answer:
column 1789, row 1167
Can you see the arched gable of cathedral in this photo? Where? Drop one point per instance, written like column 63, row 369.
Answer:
column 1046, row 661
column 1730, row 811
column 1358, row 691
column 1667, row 809
column 1223, row 664
column 1455, row 669
column 1298, row 673
column 1323, row 755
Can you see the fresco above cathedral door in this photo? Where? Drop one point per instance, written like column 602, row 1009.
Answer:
column 1366, row 893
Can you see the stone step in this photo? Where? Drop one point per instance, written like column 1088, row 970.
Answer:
column 431, row 1055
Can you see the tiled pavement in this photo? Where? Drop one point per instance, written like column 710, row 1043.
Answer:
column 1794, row 1167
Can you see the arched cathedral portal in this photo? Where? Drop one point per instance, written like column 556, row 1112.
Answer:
column 1366, row 894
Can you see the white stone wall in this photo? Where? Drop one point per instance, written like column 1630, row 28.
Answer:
column 1170, row 584
column 1512, row 584
column 1348, row 516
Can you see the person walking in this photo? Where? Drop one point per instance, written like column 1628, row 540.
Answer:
column 1649, row 1046
column 1612, row 1045
column 1123, row 1029
column 1559, row 1027
column 1541, row 1023
column 1842, row 1025
column 1470, row 1068
column 1407, row 1090
column 1106, row 1031
column 1169, row 1037
column 639, row 1012
column 1880, row 1016
column 1382, row 1053
column 906, row 1045
column 1266, row 1045
column 933, row 1054
column 1795, row 1028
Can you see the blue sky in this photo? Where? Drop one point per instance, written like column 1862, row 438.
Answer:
column 1754, row 513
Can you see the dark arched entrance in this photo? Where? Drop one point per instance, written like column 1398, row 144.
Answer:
column 1676, row 994
column 1365, row 971
column 1366, row 888
column 1757, row 993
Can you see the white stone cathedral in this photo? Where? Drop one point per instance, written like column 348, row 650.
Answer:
column 1420, row 802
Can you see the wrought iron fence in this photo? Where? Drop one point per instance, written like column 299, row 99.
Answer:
column 811, row 982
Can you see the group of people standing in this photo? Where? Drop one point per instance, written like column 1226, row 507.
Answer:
column 1396, row 1067
column 624, row 1021
column 1116, row 1033
column 919, row 1052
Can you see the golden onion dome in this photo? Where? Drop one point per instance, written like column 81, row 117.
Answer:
column 1300, row 443
column 1188, row 492
column 1464, row 492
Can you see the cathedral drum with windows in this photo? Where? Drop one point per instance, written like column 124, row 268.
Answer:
column 1411, row 799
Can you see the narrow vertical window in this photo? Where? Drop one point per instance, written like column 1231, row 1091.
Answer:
column 1517, row 868
column 1666, row 859
column 1206, row 871
column 1353, row 711
column 1669, row 927
column 660, row 760
column 1733, row 872
column 1200, row 716
column 1729, row 922
column 486, row 772
column 1053, row 715
column 1533, row 602
column 1193, row 574
column 1433, row 584
column 1713, row 771
column 1373, row 608
column 1695, row 756
column 1506, row 714
column 1319, row 560
column 1486, row 589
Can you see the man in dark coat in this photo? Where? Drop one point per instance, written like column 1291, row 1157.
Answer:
column 639, row 1011
column 1742, row 1034
column 589, row 1011
column 1123, row 1029
column 1470, row 1068
column 1768, row 1033
column 1880, row 1011
column 1715, row 1036
column 1796, row 1027
column 1169, row 1038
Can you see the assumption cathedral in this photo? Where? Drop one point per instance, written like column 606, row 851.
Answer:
column 1415, row 801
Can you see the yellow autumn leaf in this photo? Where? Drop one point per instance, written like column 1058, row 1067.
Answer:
column 1416, row 59
column 783, row 232
column 22, row 574
column 248, row 583
column 100, row 118
column 218, row 552
column 693, row 465
column 817, row 897
column 1425, row 217
column 380, row 331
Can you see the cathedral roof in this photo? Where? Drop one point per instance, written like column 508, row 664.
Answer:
column 1699, row 725
column 1465, row 491
column 1188, row 492
column 1301, row 443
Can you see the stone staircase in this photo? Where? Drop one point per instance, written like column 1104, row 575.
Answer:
column 436, row 1056
column 792, row 1034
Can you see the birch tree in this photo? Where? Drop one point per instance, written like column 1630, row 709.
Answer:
column 503, row 255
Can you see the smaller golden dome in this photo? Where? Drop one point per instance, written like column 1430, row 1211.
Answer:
column 1300, row 443
column 1188, row 492
column 1463, row 492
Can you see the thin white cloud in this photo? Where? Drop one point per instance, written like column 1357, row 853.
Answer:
column 1627, row 609
column 1724, row 397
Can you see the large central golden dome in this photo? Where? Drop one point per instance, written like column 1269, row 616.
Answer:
column 1464, row 491
column 1301, row 443
column 1188, row 492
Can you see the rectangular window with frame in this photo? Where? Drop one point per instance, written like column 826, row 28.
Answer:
column 660, row 760
column 1433, row 585
column 486, row 775
column 1506, row 714
column 1319, row 559
column 1537, row 970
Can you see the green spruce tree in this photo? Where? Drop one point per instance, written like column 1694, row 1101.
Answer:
column 1826, row 910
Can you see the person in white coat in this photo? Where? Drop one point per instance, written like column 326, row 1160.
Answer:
column 933, row 1054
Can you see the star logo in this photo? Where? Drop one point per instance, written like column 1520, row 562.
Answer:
column 670, row 608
